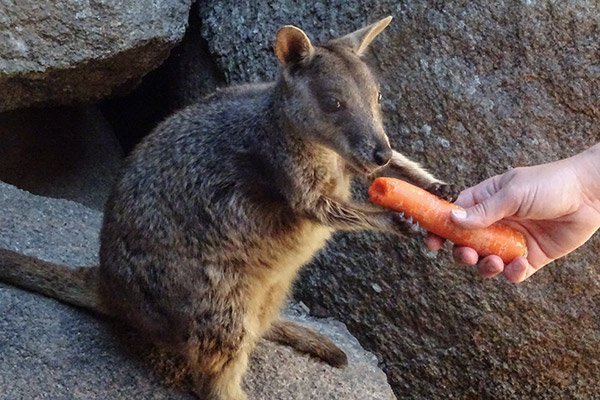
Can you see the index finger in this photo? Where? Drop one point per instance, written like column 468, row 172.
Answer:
column 478, row 193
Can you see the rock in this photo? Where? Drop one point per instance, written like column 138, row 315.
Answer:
column 51, row 350
column 241, row 38
column 61, row 152
column 297, row 379
column 188, row 75
column 470, row 89
column 70, row 51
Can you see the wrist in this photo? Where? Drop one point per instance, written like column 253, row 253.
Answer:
column 588, row 172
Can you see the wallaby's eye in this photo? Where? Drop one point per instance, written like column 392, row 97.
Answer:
column 379, row 97
column 331, row 104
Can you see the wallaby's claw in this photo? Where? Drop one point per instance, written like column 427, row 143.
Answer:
column 402, row 225
column 445, row 191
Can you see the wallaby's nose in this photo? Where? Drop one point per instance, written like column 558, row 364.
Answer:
column 382, row 155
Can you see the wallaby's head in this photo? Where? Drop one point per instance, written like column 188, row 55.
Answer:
column 331, row 96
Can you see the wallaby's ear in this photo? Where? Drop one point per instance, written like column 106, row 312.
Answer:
column 292, row 45
column 359, row 40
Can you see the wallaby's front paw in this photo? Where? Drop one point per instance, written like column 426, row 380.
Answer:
column 444, row 190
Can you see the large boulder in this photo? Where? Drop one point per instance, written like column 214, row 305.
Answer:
column 51, row 350
column 470, row 89
column 69, row 51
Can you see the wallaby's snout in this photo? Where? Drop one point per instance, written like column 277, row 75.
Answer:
column 366, row 146
column 382, row 155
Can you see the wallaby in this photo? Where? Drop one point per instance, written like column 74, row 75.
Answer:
column 219, row 207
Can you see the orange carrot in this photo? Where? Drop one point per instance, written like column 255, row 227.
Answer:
column 433, row 214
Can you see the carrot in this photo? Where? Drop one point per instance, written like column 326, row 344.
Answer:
column 433, row 214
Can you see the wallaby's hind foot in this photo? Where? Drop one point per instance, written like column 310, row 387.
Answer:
column 217, row 387
column 305, row 340
column 217, row 375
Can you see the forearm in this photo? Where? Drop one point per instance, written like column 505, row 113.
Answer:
column 588, row 171
column 348, row 217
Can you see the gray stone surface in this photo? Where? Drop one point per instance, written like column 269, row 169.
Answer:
column 60, row 152
column 470, row 89
column 52, row 351
column 69, row 51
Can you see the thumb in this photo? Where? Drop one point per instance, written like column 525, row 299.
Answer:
column 484, row 213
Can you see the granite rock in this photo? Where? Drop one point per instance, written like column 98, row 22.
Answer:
column 471, row 89
column 71, row 51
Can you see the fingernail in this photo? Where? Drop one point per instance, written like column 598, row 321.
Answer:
column 459, row 213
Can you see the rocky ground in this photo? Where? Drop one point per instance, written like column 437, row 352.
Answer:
column 470, row 89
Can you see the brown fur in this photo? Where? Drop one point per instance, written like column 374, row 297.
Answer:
column 225, row 201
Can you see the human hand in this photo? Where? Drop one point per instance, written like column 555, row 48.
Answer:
column 556, row 206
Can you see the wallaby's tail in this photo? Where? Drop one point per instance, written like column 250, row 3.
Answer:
column 75, row 286
column 305, row 340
